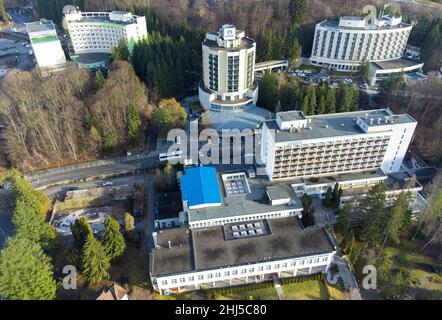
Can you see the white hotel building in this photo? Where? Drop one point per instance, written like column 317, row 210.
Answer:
column 99, row 32
column 228, row 71
column 247, row 235
column 49, row 54
column 295, row 146
column 343, row 45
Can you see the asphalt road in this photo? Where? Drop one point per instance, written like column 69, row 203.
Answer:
column 103, row 170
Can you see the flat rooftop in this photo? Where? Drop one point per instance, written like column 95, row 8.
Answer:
column 246, row 43
column 335, row 24
column 397, row 64
column 178, row 258
column 333, row 125
column 353, row 176
column 252, row 203
column 292, row 116
column 211, row 250
column 40, row 26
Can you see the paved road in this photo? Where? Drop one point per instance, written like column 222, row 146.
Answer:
column 78, row 174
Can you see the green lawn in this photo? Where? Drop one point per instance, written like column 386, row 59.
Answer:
column 308, row 290
column 258, row 294
column 335, row 292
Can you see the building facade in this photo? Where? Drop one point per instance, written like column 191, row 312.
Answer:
column 345, row 44
column 295, row 146
column 49, row 54
column 194, row 259
column 99, row 32
column 228, row 71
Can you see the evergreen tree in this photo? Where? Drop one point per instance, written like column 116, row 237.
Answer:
column 31, row 225
column 311, row 92
column 26, row 273
column 121, row 52
column 372, row 212
column 95, row 261
column 328, row 198
column 81, row 230
column 113, row 240
column 321, row 105
column 384, row 264
column 268, row 91
column 298, row 11
column 133, row 124
column 331, row 101
column 99, row 80
column 343, row 225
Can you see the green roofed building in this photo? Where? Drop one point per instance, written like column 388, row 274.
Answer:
column 47, row 48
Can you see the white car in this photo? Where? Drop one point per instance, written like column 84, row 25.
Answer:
column 107, row 184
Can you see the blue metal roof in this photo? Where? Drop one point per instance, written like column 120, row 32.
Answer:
column 199, row 186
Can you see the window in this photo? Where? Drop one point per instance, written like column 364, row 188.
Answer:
column 234, row 272
column 243, row 271
column 191, row 278
column 218, row 275
column 284, row 265
column 174, row 281
column 182, row 280
column 210, row 276
column 227, row 273
column 252, row 270
column 268, row 267
column 260, row 268
column 164, row 282
column 201, row 277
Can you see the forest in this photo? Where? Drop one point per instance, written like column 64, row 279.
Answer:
column 71, row 116
column 278, row 92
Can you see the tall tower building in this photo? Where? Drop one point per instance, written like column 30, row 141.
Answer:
column 228, row 71
column 47, row 49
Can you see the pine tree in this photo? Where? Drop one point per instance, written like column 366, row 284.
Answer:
column 298, row 11
column 328, row 197
column 343, row 225
column 133, row 124
column 372, row 212
column 99, row 80
column 26, row 273
column 113, row 240
column 331, row 101
column 31, row 225
column 95, row 261
column 81, row 230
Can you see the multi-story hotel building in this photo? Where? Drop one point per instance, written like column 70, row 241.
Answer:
column 47, row 49
column 243, row 232
column 99, row 32
column 343, row 45
column 228, row 71
column 295, row 146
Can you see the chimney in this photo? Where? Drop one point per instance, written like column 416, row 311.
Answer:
column 170, row 244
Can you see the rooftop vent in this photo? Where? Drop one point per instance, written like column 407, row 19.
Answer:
column 379, row 120
column 342, row 125
column 371, row 121
column 366, row 116
column 326, row 126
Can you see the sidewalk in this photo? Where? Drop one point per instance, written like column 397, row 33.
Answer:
column 278, row 287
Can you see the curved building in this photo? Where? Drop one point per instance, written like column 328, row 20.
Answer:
column 228, row 71
column 99, row 32
column 343, row 45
